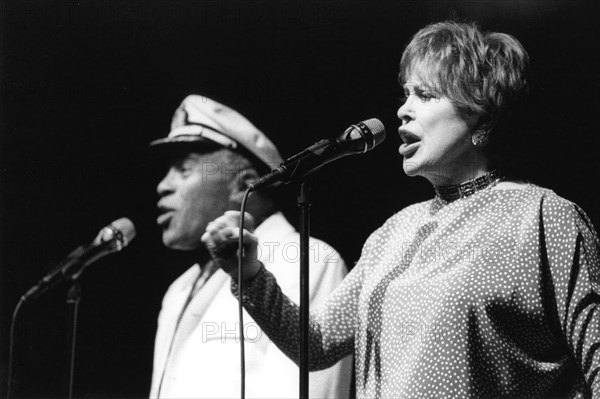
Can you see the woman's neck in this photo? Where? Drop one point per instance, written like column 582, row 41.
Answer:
column 452, row 192
column 448, row 176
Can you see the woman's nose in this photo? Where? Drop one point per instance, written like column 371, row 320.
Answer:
column 406, row 111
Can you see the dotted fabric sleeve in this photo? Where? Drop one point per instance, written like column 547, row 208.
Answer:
column 570, row 251
column 331, row 326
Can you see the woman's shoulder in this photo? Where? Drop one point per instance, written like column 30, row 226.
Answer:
column 546, row 197
column 409, row 215
column 416, row 210
column 395, row 225
column 530, row 192
column 551, row 207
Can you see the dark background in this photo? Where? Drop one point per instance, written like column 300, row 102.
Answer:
column 87, row 84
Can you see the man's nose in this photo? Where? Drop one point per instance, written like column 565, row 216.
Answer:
column 166, row 185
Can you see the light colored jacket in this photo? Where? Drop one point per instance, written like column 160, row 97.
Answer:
column 200, row 358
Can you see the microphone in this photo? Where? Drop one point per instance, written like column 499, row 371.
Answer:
column 111, row 238
column 357, row 139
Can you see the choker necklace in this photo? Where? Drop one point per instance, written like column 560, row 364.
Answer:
column 470, row 187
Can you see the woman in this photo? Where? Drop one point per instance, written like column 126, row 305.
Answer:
column 491, row 288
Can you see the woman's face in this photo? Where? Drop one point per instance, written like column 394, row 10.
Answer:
column 437, row 140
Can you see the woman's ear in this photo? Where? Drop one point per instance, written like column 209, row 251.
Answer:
column 487, row 124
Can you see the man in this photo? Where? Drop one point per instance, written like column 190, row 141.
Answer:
column 214, row 152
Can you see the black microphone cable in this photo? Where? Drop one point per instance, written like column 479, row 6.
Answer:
column 240, row 290
column 11, row 347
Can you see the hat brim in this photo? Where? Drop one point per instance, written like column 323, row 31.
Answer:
column 171, row 145
column 184, row 139
column 174, row 146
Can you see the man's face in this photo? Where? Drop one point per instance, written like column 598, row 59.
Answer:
column 195, row 191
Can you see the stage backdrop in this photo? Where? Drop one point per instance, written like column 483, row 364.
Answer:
column 87, row 84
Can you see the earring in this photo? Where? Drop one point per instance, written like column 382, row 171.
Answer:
column 480, row 138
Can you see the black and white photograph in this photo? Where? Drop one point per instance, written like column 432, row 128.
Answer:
column 299, row 199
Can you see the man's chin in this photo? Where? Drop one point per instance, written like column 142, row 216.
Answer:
column 177, row 243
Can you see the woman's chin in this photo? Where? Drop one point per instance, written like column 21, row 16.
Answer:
column 411, row 168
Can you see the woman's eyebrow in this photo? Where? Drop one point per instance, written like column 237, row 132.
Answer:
column 411, row 85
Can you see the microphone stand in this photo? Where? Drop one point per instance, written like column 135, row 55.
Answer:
column 304, row 203
column 73, row 298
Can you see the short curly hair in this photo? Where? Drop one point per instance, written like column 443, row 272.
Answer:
column 483, row 74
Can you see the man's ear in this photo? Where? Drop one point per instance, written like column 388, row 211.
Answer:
column 260, row 204
column 240, row 184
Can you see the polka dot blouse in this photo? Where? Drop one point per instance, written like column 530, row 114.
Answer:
column 493, row 295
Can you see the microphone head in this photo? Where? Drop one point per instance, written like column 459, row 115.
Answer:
column 377, row 130
column 127, row 229
column 363, row 136
column 120, row 231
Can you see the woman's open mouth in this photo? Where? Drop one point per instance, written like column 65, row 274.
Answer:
column 411, row 142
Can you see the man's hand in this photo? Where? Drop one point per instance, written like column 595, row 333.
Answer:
column 221, row 240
